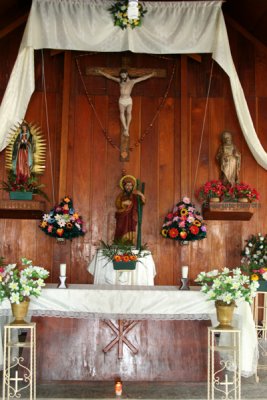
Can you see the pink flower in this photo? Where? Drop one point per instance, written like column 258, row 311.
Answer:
column 186, row 200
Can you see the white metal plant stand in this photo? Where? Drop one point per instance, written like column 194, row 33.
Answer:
column 19, row 376
column 224, row 375
column 259, row 310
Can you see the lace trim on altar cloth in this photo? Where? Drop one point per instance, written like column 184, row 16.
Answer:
column 139, row 317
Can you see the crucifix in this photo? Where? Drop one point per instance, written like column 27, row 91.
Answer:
column 126, row 77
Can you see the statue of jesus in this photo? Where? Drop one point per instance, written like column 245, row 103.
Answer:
column 125, row 101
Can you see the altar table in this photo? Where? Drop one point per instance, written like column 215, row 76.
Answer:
column 145, row 303
column 102, row 270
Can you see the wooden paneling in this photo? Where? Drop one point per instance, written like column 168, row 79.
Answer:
column 174, row 158
column 74, row 351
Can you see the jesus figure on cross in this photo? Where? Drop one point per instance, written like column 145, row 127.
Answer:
column 125, row 100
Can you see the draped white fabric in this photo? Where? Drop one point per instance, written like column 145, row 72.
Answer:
column 184, row 27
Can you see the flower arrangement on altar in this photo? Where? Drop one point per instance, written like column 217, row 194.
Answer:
column 216, row 189
column 17, row 284
column 184, row 222
column 119, row 12
column 63, row 221
column 122, row 252
column 227, row 285
column 254, row 260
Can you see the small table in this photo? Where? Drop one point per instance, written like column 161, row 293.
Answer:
column 102, row 270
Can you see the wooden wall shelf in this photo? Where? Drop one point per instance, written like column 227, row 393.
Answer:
column 21, row 209
column 229, row 211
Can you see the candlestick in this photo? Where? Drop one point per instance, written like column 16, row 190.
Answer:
column 62, row 284
column 63, row 269
column 184, row 271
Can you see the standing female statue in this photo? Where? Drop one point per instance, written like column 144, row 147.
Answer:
column 22, row 155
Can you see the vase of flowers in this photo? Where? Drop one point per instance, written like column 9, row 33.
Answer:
column 63, row 222
column 210, row 191
column 123, row 255
column 225, row 286
column 21, row 188
column 184, row 223
column 19, row 283
column 254, row 260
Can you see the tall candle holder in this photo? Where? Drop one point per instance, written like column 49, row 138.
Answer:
column 184, row 285
column 62, row 284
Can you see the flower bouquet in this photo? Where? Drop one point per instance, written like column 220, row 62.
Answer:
column 254, row 260
column 17, row 284
column 63, row 221
column 184, row 223
column 119, row 12
column 123, row 255
column 227, row 285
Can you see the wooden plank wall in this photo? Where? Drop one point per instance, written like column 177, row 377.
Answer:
column 93, row 165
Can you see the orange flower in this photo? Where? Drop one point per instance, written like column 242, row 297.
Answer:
column 66, row 199
column 133, row 258
column 117, row 258
column 43, row 224
column 60, row 232
column 75, row 216
column 126, row 258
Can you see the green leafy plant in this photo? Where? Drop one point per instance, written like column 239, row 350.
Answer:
column 19, row 283
column 122, row 251
column 119, row 12
column 16, row 184
column 227, row 285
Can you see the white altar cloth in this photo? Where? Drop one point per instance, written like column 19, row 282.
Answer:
column 102, row 270
column 141, row 303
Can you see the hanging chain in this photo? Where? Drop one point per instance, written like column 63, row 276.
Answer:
column 150, row 125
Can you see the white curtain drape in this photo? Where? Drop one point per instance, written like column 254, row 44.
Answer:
column 168, row 28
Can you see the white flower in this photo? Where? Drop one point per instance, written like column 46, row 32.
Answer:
column 61, row 223
column 14, row 298
column 46, row 217
column 264, row 276
column 13, row 285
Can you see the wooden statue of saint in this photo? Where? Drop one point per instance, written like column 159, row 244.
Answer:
column 229, row 159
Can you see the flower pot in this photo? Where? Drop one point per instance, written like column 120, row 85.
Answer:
column 224, row 314
column 243, row 200
column 263, row 286
column 20, row 195
column 19, row 312
column 215, row 200
column 124, row 265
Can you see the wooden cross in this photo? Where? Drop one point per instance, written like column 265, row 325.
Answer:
column 121, row 330
column 133, row 73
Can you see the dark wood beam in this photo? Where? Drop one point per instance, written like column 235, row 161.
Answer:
column 13, row 25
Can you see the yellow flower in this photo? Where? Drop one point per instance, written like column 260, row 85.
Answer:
column 164, row 232
column 197, row 222
column 1, row 278
column 66, row 199
column 75, row 216
column 184, row 211
column 254, row 277
column 43, row 224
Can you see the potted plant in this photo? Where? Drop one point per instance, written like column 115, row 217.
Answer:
column 225, row 286
column 211, row 191
column 254, row 260
column 243, row 192
column 63, row 222
column 123, row 255
column 21, row 188
column 19, row 283
column 184, row 223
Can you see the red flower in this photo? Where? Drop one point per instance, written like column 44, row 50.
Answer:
column 194, row 229
column 173, row 232
column 170, row 216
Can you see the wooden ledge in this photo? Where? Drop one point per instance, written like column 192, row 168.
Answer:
column 21, row 209
column 229, row 211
